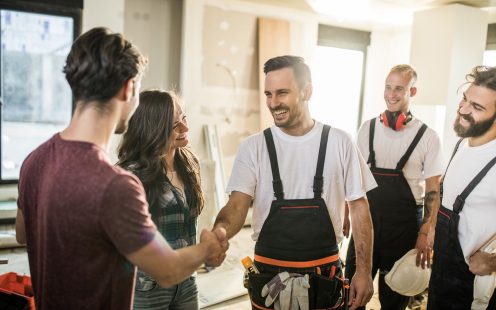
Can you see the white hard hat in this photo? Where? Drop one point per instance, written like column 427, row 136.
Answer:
column 406, row 277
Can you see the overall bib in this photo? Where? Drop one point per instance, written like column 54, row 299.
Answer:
column 298, row 236
column 452, row 284
column 396, row 218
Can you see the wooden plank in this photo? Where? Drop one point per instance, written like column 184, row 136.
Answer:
column 273, row 40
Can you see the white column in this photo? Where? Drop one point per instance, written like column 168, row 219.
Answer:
column 447, row 42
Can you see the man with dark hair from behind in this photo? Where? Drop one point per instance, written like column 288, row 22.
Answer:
column 85, row 221
column 465, row 220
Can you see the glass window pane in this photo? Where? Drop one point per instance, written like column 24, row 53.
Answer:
column 36, row 99
column 337, row 81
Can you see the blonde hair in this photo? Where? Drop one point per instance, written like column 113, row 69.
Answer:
column 406, row 70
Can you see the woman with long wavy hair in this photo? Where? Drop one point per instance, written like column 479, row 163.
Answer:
column 155, row 149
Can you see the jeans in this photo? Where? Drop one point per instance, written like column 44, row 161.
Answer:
column 149, row 295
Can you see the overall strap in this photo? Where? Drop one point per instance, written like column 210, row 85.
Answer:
column 371, row 159
column 276, row 178
column 412, row 146
column 318, row 180
column 460, row 199
column 442, row 178
column 453, row 154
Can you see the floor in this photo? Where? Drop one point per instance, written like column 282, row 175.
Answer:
column 240, row 246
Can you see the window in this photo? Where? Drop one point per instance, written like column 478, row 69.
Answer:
column 338, row 74
column 36, row 99
column 489, row 58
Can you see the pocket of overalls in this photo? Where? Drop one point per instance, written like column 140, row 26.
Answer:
column 325, row 293
column 256, row 282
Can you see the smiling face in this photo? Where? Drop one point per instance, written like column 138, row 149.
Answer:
column 286, row 102
column 179, row 135
column 397, row 92
column 476, row 112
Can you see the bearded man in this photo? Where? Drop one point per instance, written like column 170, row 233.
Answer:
column 465, row 220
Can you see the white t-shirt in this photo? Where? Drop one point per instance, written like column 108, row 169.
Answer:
column 389, row 145
column 346, row 175
column 477, row 218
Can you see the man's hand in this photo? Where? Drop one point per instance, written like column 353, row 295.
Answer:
column 346, row 222
column 346, row 227
column 482, row 263
column 361, row 290
column 425, row 239
column 424, row 247
column 221, row 235
column 217, row 246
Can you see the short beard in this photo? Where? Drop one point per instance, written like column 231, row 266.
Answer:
column 476, row 129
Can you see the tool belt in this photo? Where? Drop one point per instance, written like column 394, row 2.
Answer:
column 326, row 285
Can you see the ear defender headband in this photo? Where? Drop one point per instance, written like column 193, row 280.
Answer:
column 395, row 120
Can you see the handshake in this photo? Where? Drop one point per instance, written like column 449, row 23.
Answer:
column 216, row 243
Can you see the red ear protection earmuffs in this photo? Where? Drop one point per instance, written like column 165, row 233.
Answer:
column 395, row 120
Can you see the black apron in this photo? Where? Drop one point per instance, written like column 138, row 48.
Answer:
column 298, row 236
column 396, row 219
column 393, row 207
column 452, row 284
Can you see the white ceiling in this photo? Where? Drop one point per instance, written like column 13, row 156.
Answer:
column 370, row 13
column 419, row 4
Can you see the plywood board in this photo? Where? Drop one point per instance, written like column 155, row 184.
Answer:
column 273, row 40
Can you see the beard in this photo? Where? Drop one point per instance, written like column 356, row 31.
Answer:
column 476, row 129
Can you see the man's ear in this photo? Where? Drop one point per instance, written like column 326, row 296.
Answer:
column 413, row 91
column 307, row 92
column 129, row 90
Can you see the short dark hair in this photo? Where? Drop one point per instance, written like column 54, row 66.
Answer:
column 483, row 76
column 99, row 64
column 300, row 68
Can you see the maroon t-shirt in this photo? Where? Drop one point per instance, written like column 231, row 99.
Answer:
column 82, row 215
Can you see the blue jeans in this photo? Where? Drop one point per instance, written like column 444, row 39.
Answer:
column 151, row 296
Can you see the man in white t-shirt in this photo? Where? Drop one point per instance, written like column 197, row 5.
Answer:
column 466, row 218
column 298, row 195
column 406, row 160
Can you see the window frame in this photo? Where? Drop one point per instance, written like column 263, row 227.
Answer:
column 64, row 8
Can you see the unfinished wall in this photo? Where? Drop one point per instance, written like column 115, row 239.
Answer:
column 219, row 72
